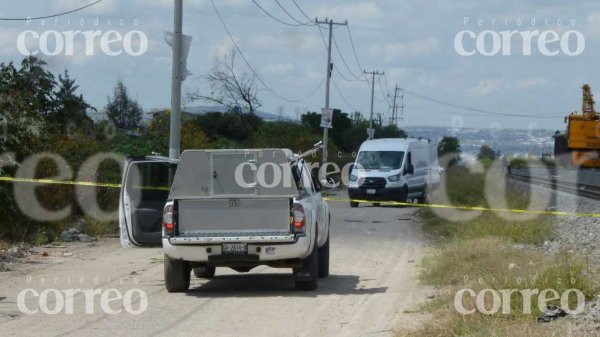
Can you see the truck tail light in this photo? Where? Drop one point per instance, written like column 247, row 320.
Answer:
column 298, row 218
column 169, row 219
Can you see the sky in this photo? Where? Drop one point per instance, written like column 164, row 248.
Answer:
column 413, row 42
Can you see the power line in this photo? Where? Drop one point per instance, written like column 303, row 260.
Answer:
column 51, row 16
column 461, row 107
column 334, row 68
column 354, row 51
column 344, row 60
column 337, row 89
column 418, row 108
column 275, row 18
column 250, row 66
column 301, row 10
column 308, row 23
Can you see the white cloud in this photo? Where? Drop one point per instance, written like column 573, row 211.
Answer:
column 530, row 83
column 356, row 12
column 279, row 68
column 224, row 47
column 297, row 42
column 103, row 7
column 485, row 88
column 391, row 51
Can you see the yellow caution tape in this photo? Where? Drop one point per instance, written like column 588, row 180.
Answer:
column 394, row 203
column 79, row 183
column 467, row 208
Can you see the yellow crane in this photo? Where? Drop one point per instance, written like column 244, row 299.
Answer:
column 580, row 145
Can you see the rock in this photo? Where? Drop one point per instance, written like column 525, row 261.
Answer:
column 74, row 234
column 4, row 267
column 430, row 296
column 513, row 266
column 85, row 238
column 551, row 313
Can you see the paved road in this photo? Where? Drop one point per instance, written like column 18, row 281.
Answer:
column 373, row 281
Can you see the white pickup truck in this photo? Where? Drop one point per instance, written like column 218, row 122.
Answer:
column 227, row 208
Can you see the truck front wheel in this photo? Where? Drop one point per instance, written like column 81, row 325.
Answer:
column 177, row 275
column 306, row 277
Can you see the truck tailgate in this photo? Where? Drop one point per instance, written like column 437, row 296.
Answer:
column 234, row 216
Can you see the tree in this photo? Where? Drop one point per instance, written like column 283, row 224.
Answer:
column 70, row 108
column 26, row 98
column 122, row 111
column 486, row 152
column 230, row 88
column 450, row 147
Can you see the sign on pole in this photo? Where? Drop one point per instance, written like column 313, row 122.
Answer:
column 327, row 118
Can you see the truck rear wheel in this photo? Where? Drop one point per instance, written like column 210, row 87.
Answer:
column 306, row 277
column 177, row 275
column 324, row 259
column 353, row 204
column 204, row 272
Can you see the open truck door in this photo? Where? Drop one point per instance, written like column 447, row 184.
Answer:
column 144, row 191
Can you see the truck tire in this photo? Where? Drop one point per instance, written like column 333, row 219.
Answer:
column 376, row 204
column 324, row 259
column 177, row 275
column 353, row 204
column 306, row 277
column 204, row 272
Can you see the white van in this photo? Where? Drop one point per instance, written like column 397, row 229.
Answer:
column 394, row 169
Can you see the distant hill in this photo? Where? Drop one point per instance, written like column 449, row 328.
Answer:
column 200, row 110
column 508, row 141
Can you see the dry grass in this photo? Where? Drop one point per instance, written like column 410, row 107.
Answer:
column 481, row 254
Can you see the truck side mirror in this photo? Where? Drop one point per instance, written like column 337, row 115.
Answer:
column 410, row 169
column 328, row 183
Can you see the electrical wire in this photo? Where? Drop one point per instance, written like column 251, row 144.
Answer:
column 461, row 107
column 308, row 23
column 301, row 10
column 354, row 51
column 473, row 114
column 258, row 77
column 51, row 16
column 334, row 68
column 344, row 60
column 337, row 89
column 275, row 18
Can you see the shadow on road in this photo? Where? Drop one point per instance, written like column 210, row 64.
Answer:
column 261, row 285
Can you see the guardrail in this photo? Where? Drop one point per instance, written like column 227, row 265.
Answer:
column 588, row 191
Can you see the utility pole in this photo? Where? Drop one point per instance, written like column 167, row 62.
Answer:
column 395, row 107
column 176, row 79
column 330, row 23
column 373, row 73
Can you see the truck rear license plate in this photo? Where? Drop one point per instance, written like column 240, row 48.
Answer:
column 235, row 249
column 371, row 191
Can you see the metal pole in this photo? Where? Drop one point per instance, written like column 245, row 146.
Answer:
column 328, row 80
column 376, row 72
column 372, row 102
column 175, row 126
column 394, row 113
column 330, row 23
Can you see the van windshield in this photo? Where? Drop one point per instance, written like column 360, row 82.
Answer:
column 380, row 160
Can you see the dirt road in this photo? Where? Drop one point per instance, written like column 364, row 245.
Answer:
column 373, row 281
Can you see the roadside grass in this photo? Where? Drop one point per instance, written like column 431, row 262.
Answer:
column 496, row 252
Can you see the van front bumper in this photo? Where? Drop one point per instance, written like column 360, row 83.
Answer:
column 376, row 194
